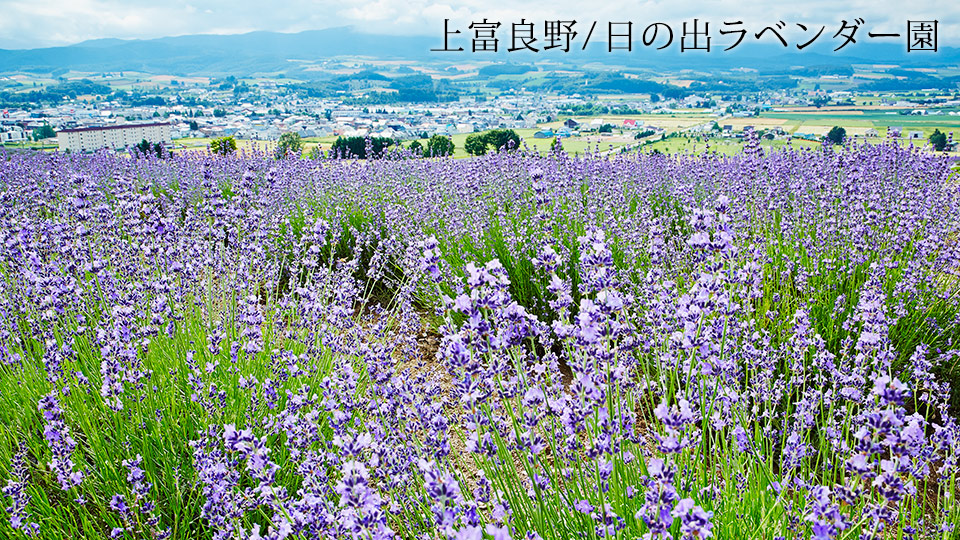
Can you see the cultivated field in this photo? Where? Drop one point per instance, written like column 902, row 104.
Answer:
column 530, row 346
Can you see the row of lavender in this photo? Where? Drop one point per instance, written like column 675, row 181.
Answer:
column 754, row 346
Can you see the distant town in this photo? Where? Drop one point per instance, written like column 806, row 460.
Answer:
column 188, row 114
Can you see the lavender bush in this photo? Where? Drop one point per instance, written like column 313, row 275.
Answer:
column 514, row 346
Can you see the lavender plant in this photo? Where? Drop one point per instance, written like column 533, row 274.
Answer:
column 513, row 346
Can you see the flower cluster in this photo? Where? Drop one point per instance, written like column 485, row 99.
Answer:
column 514, row 346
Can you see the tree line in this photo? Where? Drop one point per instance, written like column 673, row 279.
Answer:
column 370, row 147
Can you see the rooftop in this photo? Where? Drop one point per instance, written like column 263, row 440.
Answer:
column 123, row 126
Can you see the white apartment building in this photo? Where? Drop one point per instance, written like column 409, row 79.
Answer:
column 94, row 138
column 12, row 134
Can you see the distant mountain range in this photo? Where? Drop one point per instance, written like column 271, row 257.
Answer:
column 213, row 54
column 267, row 52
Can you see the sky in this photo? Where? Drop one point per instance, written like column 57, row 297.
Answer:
column 28, row 24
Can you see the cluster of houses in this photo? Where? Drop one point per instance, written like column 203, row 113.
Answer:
column 309, row 118
column 17, row 126
column 337, row 119
column 573, row 128
column 276, row 112
column 12, row 134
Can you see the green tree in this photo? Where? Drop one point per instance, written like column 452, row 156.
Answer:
column 356, row 147
column 290, row 143
column 500, row 138
column 417, row 148
column 44, row 132
column 938, row 140
column 348, row 147
column 194, row 126
column 145, row 148
column 476, row 144
column 439, row 145
column 223, row 145
column 606, row 128
column 218, row 113
column 556, row 146
column 837, row 135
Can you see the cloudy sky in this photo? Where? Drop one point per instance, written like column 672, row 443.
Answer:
column 41, row 23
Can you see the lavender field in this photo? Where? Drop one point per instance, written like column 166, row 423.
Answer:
column 513, row 346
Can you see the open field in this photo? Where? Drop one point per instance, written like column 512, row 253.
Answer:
column 683, row 145
column 670, row 122
column 858, row 120
column 576, row 145
column 189, row 145
column 572, row 145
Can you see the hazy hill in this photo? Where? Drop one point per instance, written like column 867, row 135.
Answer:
column 255, row 51
column 272, row 51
